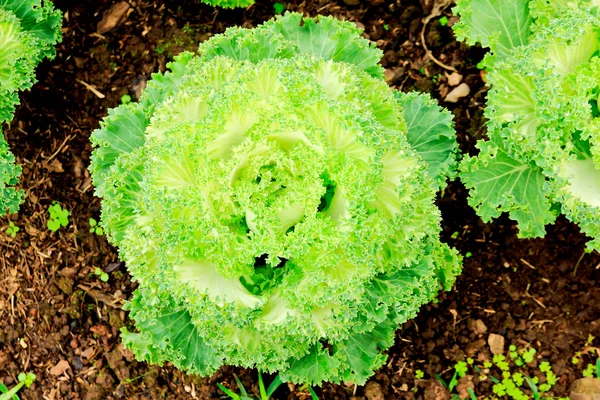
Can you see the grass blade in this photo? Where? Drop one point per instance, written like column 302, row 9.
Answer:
column 261, row 387
column 274, row 385
column 240, row 386
column 228, row 392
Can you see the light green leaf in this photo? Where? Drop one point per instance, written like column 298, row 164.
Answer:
column 362, row 352
column 286, row 36
column 431, row 133
column 499, row 183
column 500, row 25
column 168, row 333
column 314, row 368
column 10, row 198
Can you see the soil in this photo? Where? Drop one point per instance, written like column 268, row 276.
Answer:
column 61, row 321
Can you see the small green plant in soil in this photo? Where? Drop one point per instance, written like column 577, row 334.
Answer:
column 510, row 374
column 12, row 229
column 592, row 369
column 95, row 228
column 25, row 379
column 59, row 217
column 278, row 8
column 101, row 274
column 265, row 394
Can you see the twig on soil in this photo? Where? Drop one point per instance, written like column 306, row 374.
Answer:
column 436, row 11
column 99, row 296
column 91, row 89
column 527, row 263
column 68, row 138
column 577, row 263
column 533, row 298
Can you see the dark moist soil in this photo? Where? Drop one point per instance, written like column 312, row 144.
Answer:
column 61, row 321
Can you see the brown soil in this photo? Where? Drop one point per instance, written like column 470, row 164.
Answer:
column 62, row 322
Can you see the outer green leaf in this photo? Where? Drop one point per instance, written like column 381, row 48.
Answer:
column 578, row 190
column 330, row 39
column 285, row 36
column 42, row 21
column 167, row 333
column 499, row 183
column 10, row 198
column 431, row 133
column 500, row 25
column 121, row 132
column 314, row 368
column 362, row 352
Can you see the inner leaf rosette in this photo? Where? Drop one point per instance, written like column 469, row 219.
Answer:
column 274, row 215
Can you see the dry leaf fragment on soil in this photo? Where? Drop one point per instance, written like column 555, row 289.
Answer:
column 457, row 93
column 496, row 343
column 464, row 384
column 373, row 391
column 112, row 17
column 435, row 391
column 477, row 326
column 585, row 389
column 61, row 367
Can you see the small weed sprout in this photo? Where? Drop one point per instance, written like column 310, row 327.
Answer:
column 58, row 217
column 101, row 274
column 95, row 228
column 25, row 379
column 278, row 8
column 12, row 229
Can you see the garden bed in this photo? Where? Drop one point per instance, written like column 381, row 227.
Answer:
column 61, row 320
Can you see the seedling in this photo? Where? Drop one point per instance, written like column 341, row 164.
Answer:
column 94, row 228
column 278, row 7
column 25, row 379
column 12, row 229
column 444, row 21
column 101, row 274
column 58, row 217
column 125, row 99
column 265, row 394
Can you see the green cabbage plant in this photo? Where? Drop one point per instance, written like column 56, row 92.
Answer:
column 28, row 33
column 543, row 153
column 275, row 201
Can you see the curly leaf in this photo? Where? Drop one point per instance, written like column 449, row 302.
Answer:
column 499, row 183
column 10, row 198
column 500, row 25
column 169, row 334
column 431, row 133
